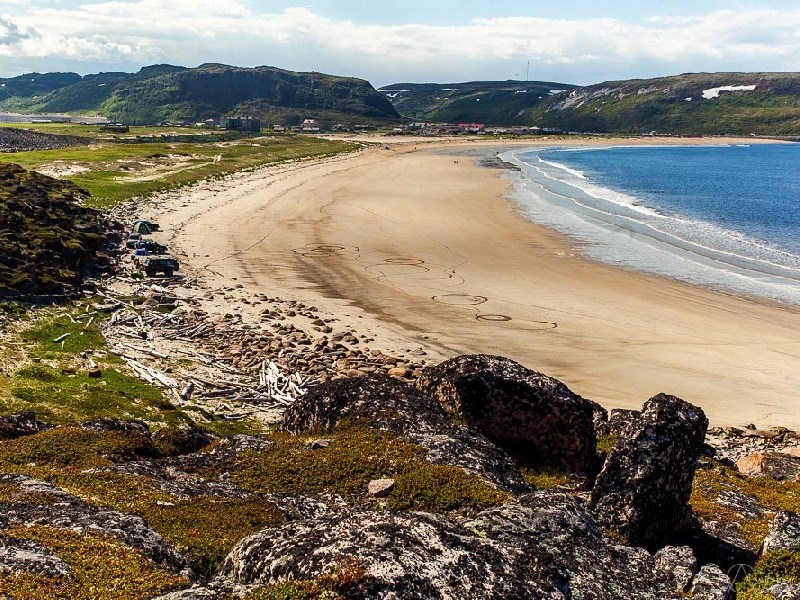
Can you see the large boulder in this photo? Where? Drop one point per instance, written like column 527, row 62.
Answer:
column 777, row 465
column 784, row 533
column 644, row 487
column 19, row 424
column 545, row 546
column 385, row 403
column 532, row 416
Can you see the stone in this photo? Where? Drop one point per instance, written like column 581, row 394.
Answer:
column 784, row 533
column 620, row 421
column 536, row 418
column 117, row 425
column 785, row 591
column 545, row 546
column 19, row 424
column 184, row 439
column 643, row 490
column 777, row 465
column 380, row 487
column 29, row 556
column 711, row 583
column 389, row 404
column 400, row 372
column 679, row 563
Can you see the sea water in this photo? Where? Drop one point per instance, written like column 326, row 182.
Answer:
column 724, row 217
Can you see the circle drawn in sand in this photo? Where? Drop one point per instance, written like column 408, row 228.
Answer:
column 460, row 299
column 495, row 318
column 323, row 250
column 411, row 262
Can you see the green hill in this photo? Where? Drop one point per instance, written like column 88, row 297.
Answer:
column 489, row 102
column 759, row 103
column 763, row 104
column 167, row 93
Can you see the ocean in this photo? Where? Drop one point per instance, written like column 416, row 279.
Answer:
column 723, row 217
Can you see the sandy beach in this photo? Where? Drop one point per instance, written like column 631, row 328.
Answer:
column 419, row 250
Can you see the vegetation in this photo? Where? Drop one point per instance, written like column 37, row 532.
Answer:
column 162, row 93
column 330, row 586
column 114, row 171
column 777, row 566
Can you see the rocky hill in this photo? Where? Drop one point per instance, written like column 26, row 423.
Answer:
column 167, row 93
column 483, row 480
column 689, row 104
column 48, row 241
column 488, row 102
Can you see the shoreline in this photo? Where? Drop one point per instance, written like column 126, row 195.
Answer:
column 403, row 246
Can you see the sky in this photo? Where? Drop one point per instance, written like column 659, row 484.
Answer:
column 393, row 41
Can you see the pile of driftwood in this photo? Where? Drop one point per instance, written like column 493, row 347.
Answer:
column 139, row 333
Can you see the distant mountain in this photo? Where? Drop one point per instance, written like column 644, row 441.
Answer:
column 692, row 103
column 167, row 93
column 488, row 102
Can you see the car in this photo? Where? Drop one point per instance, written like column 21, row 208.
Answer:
column 150, row 247
column 152, row 264
column 132, row 239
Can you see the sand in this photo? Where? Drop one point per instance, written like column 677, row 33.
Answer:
column 420, row 250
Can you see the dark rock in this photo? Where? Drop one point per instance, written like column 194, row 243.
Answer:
column 532, row 416
column 182, row 440
column 620, row 422
column 29, row 556
column 771, row 464
column 785, row 591
column 71, row 513
column 19, row 424
column 391, row 405
column 547, row 546
column 117, row 425
column 643, row 490
column 679, row 563
column 784, row 533
column 711, row 583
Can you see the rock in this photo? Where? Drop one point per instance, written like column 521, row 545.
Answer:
column 72, row 513
column 772, row 464
column 785, row 591
column 679, row 563
column 784, row 533
column 29, row 556
column 19, row 424
column 643, row 489
column 388, row 404
column 183, row 440
column 532, row 416
column 380, row 487
column 400, row 372
column 711, row 583
column 546, row 546
column 117, row 425
column 320, row 443
column 95, row 373
column 620, row 422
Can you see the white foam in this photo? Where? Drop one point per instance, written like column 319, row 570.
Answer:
column 714, row 92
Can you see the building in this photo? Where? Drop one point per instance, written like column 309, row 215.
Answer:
column 240, row 124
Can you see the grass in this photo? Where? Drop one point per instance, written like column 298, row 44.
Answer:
column 777, row 566
column 356, row 456
column 101, row 568
column 771, row 494
column 120, row 171
column 546, row 479
column 335, row 585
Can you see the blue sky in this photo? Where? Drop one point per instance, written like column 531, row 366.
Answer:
column 386, row 41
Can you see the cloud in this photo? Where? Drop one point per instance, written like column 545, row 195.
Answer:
column 139, row 32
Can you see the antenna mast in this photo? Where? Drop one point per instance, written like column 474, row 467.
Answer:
column 528, row 72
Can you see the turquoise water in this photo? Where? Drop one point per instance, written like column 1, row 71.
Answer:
column 726, row 217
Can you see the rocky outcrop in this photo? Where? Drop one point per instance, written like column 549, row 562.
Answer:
column 784, row 533
column 391, row 405
column 770, row 464
column 19, row 424
column 620, row 422
column 711, row 583
column 643, row 489
column 532, row 416
column 679, row 563
column 28, row 556
column 69, row 512
column 546, row 546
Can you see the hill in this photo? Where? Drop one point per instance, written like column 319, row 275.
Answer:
column 692, row 103
column 489, row 102
column 167, row 93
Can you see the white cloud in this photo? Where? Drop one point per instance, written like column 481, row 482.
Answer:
column 134, row 33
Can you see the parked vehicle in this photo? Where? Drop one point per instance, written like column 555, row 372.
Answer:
column 150, row 247
column 132, row 240
column 152, row 264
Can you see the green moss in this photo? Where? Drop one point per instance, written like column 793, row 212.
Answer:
column 546, row 479
column 773, row 495
column 101, row 568
column 336, row 585
column 605, row 443
column 778, row 566
column 70, row 448
column 80, row 338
